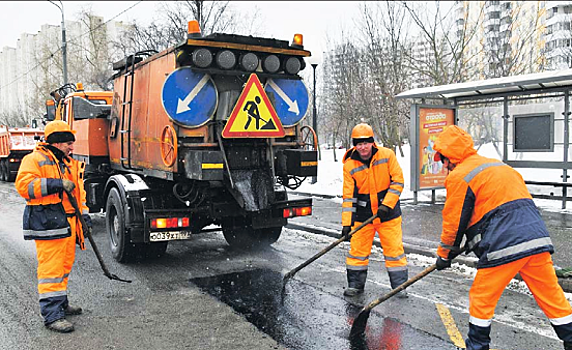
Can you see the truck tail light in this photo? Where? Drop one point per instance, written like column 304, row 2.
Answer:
column 170, row 222
column 293, row 212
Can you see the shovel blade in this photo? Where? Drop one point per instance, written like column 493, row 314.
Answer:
column 360, row 322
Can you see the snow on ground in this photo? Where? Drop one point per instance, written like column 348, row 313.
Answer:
column 330, row 178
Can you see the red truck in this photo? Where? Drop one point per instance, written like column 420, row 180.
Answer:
column 15, row 143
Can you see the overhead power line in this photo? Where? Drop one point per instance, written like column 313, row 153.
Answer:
column 51, row 55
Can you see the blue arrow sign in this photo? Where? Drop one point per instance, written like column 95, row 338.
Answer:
column 189, row 98
column 290, row 99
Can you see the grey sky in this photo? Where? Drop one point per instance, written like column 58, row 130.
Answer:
column 279, row 19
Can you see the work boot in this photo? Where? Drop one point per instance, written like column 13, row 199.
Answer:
column 567, row 346
column 402, row 294
column 356, row 282
column 352, row 292
column 73, row 310
column 61, row 326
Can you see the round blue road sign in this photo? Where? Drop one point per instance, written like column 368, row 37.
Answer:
column 189, row 98
column 290, row 99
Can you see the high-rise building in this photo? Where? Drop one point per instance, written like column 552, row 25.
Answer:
column 35, row 66
column 502, row 38
column 558, row 35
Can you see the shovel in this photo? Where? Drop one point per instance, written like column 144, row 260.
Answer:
column 87, row 233
column 322, row 252
column 358, row 327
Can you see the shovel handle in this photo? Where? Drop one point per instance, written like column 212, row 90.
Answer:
column 406, row 284
column 328, row 248
column 400, row 288
column 87, row 233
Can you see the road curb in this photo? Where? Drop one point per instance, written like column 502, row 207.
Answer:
column 565, row 283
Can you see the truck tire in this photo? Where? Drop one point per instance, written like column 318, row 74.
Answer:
column 245, row 237
column 3, row 171
column 121, row 249
column 9, row 177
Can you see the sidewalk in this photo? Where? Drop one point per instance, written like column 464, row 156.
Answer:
column 422, row 230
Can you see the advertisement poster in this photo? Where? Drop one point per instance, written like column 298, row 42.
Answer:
column 432, row 121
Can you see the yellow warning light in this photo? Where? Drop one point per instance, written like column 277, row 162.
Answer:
column 194, row 30
column 79, row 86
column 298, row 40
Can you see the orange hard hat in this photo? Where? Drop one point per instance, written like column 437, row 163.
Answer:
column 362, row 131
column 58, row 131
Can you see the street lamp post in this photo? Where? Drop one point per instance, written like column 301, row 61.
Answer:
column 315, row 122
column 64, row 43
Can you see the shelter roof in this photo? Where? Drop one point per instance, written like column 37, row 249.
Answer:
column 511, row 84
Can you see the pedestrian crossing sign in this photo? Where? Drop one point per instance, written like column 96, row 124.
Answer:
column 253, row 115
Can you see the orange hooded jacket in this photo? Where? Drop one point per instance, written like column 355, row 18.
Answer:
column 39, row 181
column 488, row 204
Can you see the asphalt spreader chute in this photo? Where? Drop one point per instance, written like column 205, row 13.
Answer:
column 320, row 253
column 87, row 233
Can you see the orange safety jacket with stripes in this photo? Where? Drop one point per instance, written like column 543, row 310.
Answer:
column 488, row 202
column 369, row 184
column 47, row 210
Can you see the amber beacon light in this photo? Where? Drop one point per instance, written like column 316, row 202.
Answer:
column 298, row 40
column 193, row 29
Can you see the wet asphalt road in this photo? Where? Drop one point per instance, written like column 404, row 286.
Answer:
column 204, row 295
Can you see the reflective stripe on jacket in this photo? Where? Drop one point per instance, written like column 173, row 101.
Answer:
column 366, row 186
column 489, row 205
column 39, row 181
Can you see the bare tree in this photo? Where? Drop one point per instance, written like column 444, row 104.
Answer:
column 340, row 110
column 170, row 26
column 94, row 52
column 384, row 60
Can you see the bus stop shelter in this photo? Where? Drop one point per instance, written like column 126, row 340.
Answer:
column 529, row 116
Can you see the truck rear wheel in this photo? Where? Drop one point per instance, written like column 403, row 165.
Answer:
column 245, row 237
column 121, row 249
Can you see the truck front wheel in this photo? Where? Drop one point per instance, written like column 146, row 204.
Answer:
column 3, row 171
column 121, row 249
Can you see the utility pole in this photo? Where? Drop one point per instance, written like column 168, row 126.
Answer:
column 64, row 43
column 315, row 122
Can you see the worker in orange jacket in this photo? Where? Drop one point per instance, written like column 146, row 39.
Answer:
column 489, row 207
column 373, row 182
column 49, row 218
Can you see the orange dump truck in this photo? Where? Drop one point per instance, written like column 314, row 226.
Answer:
column 204, row 136
column 15, row 143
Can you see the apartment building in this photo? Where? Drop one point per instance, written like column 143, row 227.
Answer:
column 35, row 66
column 502, row 37
column 558, row 35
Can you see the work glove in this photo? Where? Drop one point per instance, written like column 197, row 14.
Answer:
column 346, row 232
column 68, row 185
column 87, row 220
column 442, row 263
column 383, row 210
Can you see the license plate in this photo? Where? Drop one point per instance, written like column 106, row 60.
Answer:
column 169, row 236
